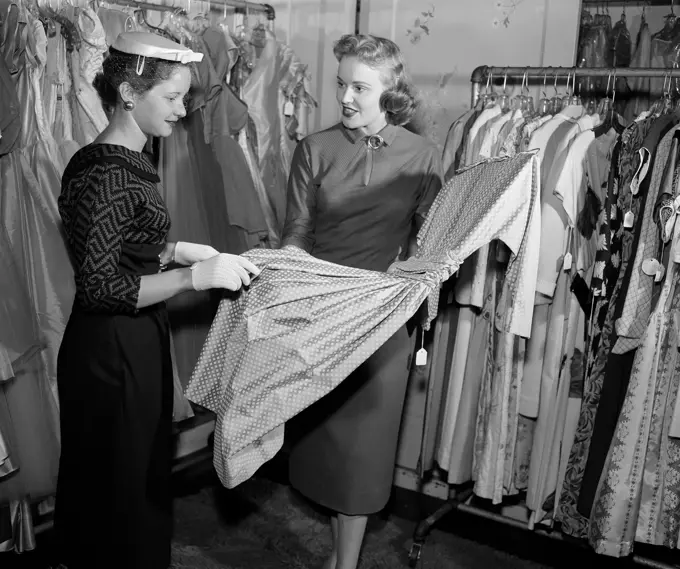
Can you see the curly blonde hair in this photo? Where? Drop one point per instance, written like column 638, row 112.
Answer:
column 398, row 101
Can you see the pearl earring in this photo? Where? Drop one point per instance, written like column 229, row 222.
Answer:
column 128, row 105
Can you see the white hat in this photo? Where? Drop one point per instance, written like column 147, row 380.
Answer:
column 146, row 44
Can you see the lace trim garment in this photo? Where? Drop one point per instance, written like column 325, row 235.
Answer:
column 305, row 324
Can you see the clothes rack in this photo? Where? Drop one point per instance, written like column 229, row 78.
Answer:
column 484, row 72
column 461, row 498
column 607, row 3
column 215, row 5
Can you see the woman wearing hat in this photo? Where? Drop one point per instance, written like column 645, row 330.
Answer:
column 113, row 505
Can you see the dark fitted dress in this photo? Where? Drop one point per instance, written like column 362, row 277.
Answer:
column 114, row 369
column 343, row 447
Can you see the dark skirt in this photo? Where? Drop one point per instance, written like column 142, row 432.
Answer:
column 113, row 503
column 343, row 448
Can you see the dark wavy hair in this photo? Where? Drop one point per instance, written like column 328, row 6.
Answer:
column 121, row 68
column 398, row 101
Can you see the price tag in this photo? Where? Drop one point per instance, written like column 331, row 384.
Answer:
column 650, row 267
column 660, row 274
column 566, row 265
column 628, row 220
column 288, row 109
column 421, row 354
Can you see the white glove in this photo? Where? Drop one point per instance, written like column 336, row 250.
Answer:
column 190, row 253
column 222, row 271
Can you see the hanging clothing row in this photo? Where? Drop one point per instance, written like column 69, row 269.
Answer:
column 581, row 417
column 603, row 43
column 223, row 174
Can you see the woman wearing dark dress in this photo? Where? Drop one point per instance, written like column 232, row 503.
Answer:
column 113, row 504
column 357, row 193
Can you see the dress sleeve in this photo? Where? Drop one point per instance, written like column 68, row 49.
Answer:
column 104, row 212
column 301, row 201
column 432, row 182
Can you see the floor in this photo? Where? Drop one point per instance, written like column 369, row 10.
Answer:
column 264, row 524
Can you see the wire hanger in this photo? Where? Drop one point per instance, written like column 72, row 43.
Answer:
column 544, row 107
column 556, row 101
column 141, row 18
column 575, row 98
column 527, row 99
column 504, row 100
column 610, row 119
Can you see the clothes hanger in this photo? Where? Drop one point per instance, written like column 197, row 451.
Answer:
column 516, row 101
column 504, row 99
column 45, row 17
column 610, row 117
column 201, row 20
column 667, row 31
column 69, row 30
column 527, row 99
column 544, row 106
column 667, row 100
column 488, row 98
column 567, row 94
column 492, row 97
column 575, row 98
column 140, row 14
column 675, row 81
column 556, row 101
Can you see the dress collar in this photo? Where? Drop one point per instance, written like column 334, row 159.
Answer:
column 138, row 163
column 388, row 134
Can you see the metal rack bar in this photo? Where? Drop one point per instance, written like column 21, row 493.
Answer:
column 215, row 5
column 481, row 73
column 626, row 3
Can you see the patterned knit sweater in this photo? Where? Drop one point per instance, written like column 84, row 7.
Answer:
column 108, row 201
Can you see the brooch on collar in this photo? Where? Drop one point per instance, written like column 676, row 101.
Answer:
column 375, row 142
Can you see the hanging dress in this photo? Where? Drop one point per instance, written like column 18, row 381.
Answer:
column 30, row 178
column 638, row 494
column 261, row 93
column 89, row 118
column 601, row 334
column 37, row 280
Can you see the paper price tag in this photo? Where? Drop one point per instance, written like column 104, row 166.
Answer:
column 288, row 109
column 421, row 357
column 566, row 265
column 650, row 267
column 628, row 220
column 660, row 274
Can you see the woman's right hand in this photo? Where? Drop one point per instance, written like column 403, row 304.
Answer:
column 223, row 271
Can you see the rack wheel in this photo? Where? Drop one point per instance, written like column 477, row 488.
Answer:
column 414, row 554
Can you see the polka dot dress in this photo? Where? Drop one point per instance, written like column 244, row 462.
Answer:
column 305, row 324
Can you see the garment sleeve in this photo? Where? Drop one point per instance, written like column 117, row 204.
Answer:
column 301, row 201
column 432, row 182
column 104, row 213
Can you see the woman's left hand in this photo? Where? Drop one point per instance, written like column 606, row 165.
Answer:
column 190, row 253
